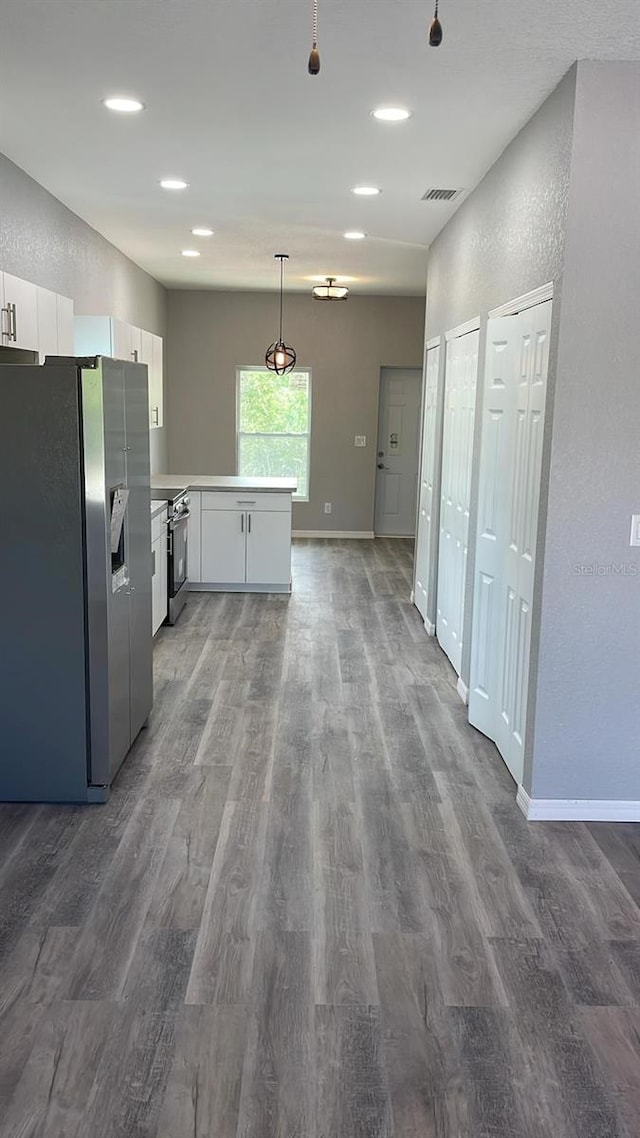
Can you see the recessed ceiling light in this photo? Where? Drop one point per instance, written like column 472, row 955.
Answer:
column 366, row 191
column 123, row 104
column 354, row 235
column 173, row 184
column 202, row 232
column 190, row 253
column 391, row 114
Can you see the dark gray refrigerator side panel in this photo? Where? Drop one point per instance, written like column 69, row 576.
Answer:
column 138, row 522
column 107, row 599
column 43, row 722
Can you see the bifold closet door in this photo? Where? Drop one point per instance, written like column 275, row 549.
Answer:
column 426, row 503
column 461, row 375
column 514, row 397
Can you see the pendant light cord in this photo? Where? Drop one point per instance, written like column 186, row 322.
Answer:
column 315, row 23
column 281, row 288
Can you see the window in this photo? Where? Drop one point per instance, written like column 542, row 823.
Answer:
column 274, row 425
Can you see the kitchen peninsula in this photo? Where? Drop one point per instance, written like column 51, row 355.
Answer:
column 239, row 531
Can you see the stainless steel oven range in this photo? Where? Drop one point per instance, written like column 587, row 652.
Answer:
column 177, row 554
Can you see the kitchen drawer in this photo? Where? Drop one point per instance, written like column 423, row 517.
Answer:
column 237, row 500
column 158, row 525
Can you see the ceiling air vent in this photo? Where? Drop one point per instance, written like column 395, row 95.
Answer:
column 441, row 195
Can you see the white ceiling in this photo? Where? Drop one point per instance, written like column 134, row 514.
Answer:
column 271, row 153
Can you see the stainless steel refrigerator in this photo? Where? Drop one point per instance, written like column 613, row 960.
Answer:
column 75, row 572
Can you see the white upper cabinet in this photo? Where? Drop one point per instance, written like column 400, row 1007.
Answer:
column 35, row 318
column 106, row 336
column 19, row 313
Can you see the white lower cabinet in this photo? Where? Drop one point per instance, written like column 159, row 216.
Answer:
column 159, row 570
column 245, row 548
column 223, row 550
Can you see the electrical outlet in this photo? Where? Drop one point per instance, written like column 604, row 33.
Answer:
column 360, row 441
column 328, row 506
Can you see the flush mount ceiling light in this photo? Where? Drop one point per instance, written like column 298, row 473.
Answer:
column 202, row 232
column 435, row 30
column 190, row 253
column 391, row 114
column 366, row 191
column 330, row 290
column 313, row 65
column 173, row 184
column 354, row 235
column 123, row 104
column 279, row 356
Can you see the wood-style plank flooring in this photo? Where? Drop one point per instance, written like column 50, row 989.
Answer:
column 311, row 908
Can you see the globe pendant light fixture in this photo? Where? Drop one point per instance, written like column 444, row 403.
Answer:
column 280, row 357
column 330, row 291
column 314, row 55
column 435, row 30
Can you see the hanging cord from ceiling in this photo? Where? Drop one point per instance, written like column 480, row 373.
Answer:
column 314, row 55
column 435, row 29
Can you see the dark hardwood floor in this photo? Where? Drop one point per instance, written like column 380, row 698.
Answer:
column 311, row 908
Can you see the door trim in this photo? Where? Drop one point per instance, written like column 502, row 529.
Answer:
column 433, row 343
column 472, row 325
column 527, row 300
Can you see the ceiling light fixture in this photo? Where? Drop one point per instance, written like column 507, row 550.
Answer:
column 391, row 114
column 435, row 30
column 279, row 356
column 354, row 235
column 366, row 191
column 173, row 184
column 202, row 232
column 190, row 253
column 314, row 55
column 123, row 104
column 330, row 290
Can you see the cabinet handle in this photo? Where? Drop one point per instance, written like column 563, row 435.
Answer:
column 135, row 355
column 249, row 517
column 241, row 523
column 8, row 312
column 156, row 416
column 245, row 501
column 13, row 322
column 153, row 562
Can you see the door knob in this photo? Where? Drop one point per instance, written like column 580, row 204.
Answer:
column 381, row 466
column 380, row 454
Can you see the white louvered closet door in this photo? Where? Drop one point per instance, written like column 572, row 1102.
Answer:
column 457, row 457
column 509, row 494
column 426, row 504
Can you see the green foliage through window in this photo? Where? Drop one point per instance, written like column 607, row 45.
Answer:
column 274, row 414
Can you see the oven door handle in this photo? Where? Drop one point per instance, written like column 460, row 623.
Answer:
column 173, row 522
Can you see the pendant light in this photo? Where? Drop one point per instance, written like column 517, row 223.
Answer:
column 435, row 30
column 280, row 357
column 330, row 291
column 314, row 55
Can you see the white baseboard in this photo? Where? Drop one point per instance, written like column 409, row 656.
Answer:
column 430, row 627
column 577, row 809
column 355, row 533
column 462, row 690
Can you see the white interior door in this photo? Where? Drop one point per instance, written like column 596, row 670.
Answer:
column 509, row 493
column 461, row 375
column 425, row 534
column 397, row 462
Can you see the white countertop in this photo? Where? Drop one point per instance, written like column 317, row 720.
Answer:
column 160, row 482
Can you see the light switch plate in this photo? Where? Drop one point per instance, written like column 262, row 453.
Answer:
column 635, row 530
column 360, row 441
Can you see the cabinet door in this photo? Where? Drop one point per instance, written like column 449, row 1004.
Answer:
column 156, row 417
column 64, row 315
column 223, row 546
column 47, row 323
column 24, row 318
column 268, row 548
column 121, row 345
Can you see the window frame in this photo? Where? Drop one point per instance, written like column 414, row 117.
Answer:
column 240, row 368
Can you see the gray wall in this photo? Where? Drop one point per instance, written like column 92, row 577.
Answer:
column 345, row 345
column 586, row 742
column 44, row 242
column 506, row 239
